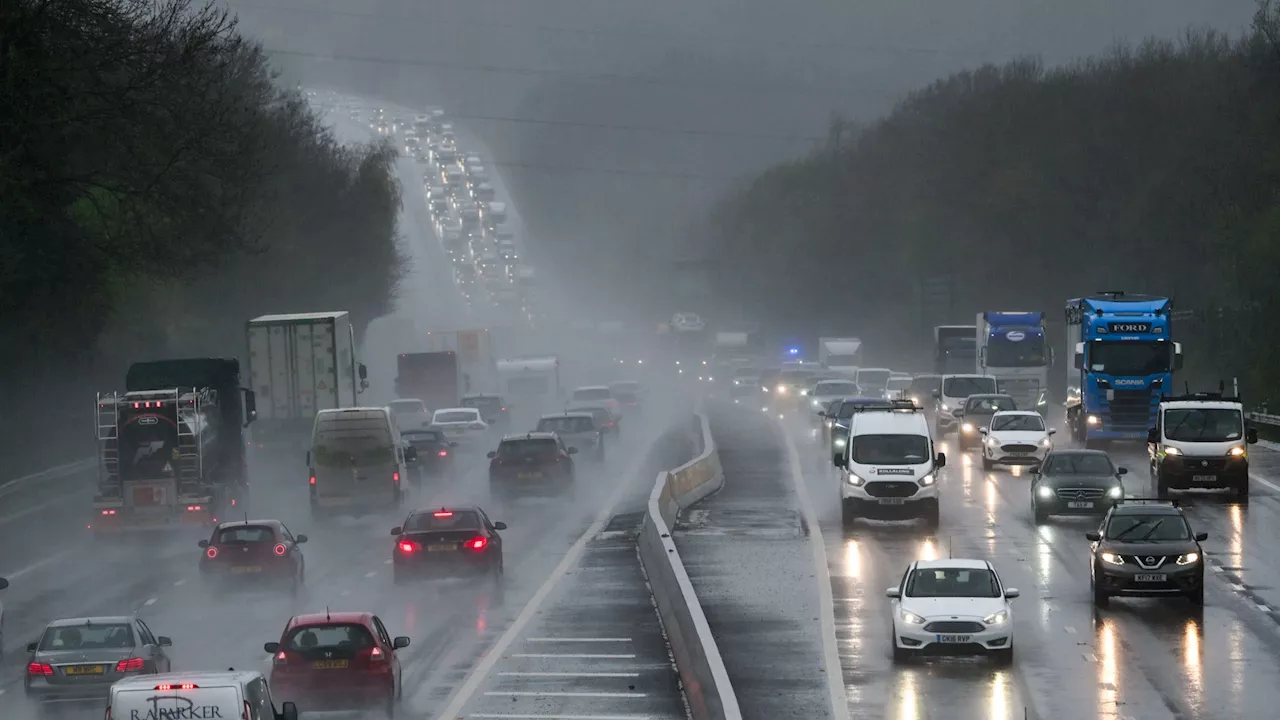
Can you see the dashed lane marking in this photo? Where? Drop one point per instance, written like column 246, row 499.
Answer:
column 150, row 601
column 1069, row 630
column 588, row 656
column 178, row 583
column 500, row 693
column 559, row 640
column 570, row 674
column 370, row 574
column 37, row 564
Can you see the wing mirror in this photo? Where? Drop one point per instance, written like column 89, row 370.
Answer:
column 982, row 431
column 1202, row 536
column 572, row 451
column 837, row 459
column 397, row 530
column 941, row 460
column 893, row 592
column 288, row 711
column 1251, row 435
column 203, row 544
column 3, row 583
column 300, row 539
column 1011, row 593
column 164, row 641
column 491, row 454
column 1122, row 471
column 1093, row 536
column 400, row 642
column 1153, row 436
column 499, row 526
column 1052, row 432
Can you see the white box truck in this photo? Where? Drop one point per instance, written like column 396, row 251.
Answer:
column 840, row 354
column 300, row 364
column 476, row 357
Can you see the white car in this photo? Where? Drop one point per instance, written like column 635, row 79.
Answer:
column 1015, row 437
column 462, row 424
column 410, row 414
column 952, row 607
column 824, row 391
column 599, row 396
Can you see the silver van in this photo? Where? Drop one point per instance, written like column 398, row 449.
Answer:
column 233, row 694
column 357, row 460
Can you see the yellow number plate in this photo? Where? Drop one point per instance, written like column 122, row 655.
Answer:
column 85, row 669
column 330, row 664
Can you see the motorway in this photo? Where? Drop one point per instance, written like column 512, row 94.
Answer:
column 1139, row 659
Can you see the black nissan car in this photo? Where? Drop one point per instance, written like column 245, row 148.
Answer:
column 1146, row 548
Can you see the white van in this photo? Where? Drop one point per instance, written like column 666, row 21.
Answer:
column 889, row 467
column 228, row 695
column 357, row 459
column 951, row 394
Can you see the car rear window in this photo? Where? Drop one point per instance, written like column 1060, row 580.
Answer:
column 443, row 520
column 523, row 448
column 592, row 394
column 1078, row 464
column 566, row 424
column 989, row 404
column 87, row 637
column 425, row 437
column 483, row 404
column 454, row 417
column 347, row 636
column 401, row 407
column 245, row 534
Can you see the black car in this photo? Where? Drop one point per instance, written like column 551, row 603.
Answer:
column 628, row 395
column 1075, row 482
column 253, row 551
column 837, row 419
column 1146, row 548
column 536, row 462
column 435, row 454
column 492, row 408
column 922, row 389
column 581, row 430
column 447, row 542
column 976, row 414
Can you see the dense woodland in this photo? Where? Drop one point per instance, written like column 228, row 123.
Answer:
column 157, row 189
column 1154, row 168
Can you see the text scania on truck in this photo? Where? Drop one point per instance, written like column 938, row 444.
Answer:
column 1123, row 360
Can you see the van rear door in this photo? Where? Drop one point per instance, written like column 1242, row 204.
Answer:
column 165, row 702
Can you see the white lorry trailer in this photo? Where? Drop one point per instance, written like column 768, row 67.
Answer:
column 840, row 354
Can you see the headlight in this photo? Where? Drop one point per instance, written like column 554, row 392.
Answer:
column 1116, row 492
column 735, row 382
column 781, row 389
column 927, row 480
column 1189, row 559
column 1093, row 420
column 992, row 441
column 1172, row 451
column 1046, row 442
column 1237, row 451
column 910, row 618
column 804, row 392
column 996, row 618
column 839, row 442
column 967, row 427
column 946, row 407
column 855, row 481
column 816, row 404
column 915, row 400
column 1045, row 491
column 1112, row 558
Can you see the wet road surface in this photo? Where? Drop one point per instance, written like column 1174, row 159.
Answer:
column 1139, row 659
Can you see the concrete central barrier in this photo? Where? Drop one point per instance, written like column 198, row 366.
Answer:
column 702, row 672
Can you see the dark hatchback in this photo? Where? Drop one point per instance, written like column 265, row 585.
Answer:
column 1146, row 549
column 976, row 414
column 492, row 408
column 1075, row 482
column 253, row 551
column 333, row 661
column 435, row 455
column 536, row 462
column 628, row 395
column 447, row 542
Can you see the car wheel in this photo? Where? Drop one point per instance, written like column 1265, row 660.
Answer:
column 900, row 654
column 1039, row 516
column 1100, row 597
column 986, row 463
column 1242, row 491
column 1197, row 596
column 1004, row 656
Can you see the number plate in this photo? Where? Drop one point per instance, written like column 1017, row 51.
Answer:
column 1080, row 504
column 955, row 638
column 330, row 664
column 893, row 501
column 247, row 569
column 530, row 476
column 441, row 548
column 86, row 669
column 1154, row 577
column 1204, row 478
column 1018, row 454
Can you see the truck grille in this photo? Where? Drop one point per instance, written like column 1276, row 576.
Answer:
column 954, row 626
column 1131, row 409
column 1025, row 393
column 894, row 488
column 1080, row 493
column 1018, row 448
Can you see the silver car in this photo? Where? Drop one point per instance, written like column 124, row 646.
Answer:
column 578, row 429
column 79, row 658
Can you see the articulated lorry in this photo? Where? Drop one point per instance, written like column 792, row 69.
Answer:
column 435, row 378
column 840, row 354
column 1012, row 349
column 1123, row 360
column 300, row 364
column 954, row 350
column 171, row 447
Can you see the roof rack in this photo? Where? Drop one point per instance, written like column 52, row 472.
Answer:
column 1149, row 500
column 881, row 406
column 1200, row 397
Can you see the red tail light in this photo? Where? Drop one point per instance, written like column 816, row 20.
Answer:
column 406, row 547
column 395, row 477
column 376, row 655
column 130, row 665
column 183, row 686
column 39, row 669
column 442, row 514
column 443, row 453
column 477, row 543
column 313, row 479
column 281, row 658
column 281, row 549
column 211, row 553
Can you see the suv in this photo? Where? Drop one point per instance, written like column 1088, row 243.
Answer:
column 950, row 396
column 1199, row 441
column 579, row 429
column 889, row 467
column 536, row 461
column 1146, row 548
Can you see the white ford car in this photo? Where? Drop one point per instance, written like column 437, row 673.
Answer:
column 952, row 607
column 1015, row 437
column 461, row 425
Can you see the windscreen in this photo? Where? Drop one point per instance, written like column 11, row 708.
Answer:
column 1017, row 423
column 353, row 443
column 1148, row 528
column 874, row 378
column 965, row 386
column 952, row 582
column 344, row 636
column 486, row 404
column 404, row 407
column 988, row 405
column 828, row 389
column 794, row 378
column 454, row 416
column 528, row 386
column 924, row 386
column 1203, row 424
column 1130, row 357
column 245, row 534
column 1005, row 353
column 526, row 448
column 890, row 449
column 443, row 520
column 566, row 425
column 592, row 394
column 1078, row 464
column 87, row 637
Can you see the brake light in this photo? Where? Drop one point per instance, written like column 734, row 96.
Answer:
column 108, row 512
column 130, row 665
column 39, row 669
column 395, row 477
column 376, row 655
column 281, row 549
column 477, row 543
column 281, row 658
column 211, row 553
column 183, row 686
column 407, row 547
column 443, row 514
column 443, row 453
column 313, row 479
column 193, row 508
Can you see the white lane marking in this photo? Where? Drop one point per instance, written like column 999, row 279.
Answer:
column 596, row 656
column 370, row 574
column 570, row 674
column 499, row 693
column 1217, row 568
column 344, row 593
column 1069, row 630
column 1264, row 608
column 37, row 564
column 178, row 583
column 1254, row 475
column 826, row 603
column 57, row 471
column 1, row 692
column 150, row 601
column 557, row 640
column 510, row 716
column 482, row 670
column 387, row 561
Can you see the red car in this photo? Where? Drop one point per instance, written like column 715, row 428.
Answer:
column 337, row 661
column 254, row 551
